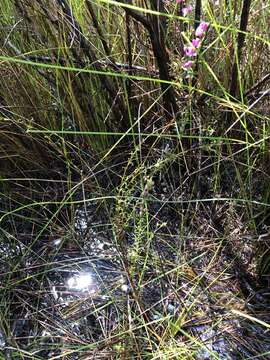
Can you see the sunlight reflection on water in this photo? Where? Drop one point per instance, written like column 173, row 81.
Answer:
column 83, row 282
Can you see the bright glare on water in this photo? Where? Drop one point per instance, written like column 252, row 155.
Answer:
column 82, row 282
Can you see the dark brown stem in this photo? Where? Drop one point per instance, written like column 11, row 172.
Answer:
column 156, row 28
column 157, row 36
column 197, row 20
column 129, row 53
column 234, row 82
column 197, row 15
column 100, row 64
column 240, row 43
column 137, row 16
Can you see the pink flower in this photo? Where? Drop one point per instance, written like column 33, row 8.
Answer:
column 179, row 1
column 187, row 10
column 190, row 51
column 196, row 42
column 187, row 65
column 201, row 29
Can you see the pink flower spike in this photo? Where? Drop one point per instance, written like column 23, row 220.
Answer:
column 201, row 29
column 187, row 10
column 179, row 1
column 204, row 25
column 196, row 42
column 190, row 51
column 187, row 65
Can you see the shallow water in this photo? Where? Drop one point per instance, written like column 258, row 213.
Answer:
column 75, row 295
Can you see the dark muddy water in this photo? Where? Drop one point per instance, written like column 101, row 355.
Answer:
column 72, row 293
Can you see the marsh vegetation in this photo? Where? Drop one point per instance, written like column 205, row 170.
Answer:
column 134, row 179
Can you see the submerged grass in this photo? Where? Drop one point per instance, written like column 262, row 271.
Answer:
column 134, row 194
